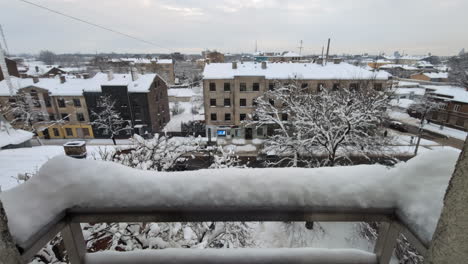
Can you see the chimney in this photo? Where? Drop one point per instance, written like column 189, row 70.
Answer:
column 134, row 74
column 110, row 75
column 37, row 68
column 62, row 79
column 234, row 65
column 264, row 65
column 35, row 79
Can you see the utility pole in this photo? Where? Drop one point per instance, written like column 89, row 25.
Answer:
column 4, row 39
column 328, row 51
column 6, row 74
column 300, row 48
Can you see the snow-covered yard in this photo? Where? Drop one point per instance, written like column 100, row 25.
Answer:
column 176, row 120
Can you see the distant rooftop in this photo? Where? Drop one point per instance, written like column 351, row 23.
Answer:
column 283, row 71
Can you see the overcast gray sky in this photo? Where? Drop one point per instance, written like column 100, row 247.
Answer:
column 355, row 26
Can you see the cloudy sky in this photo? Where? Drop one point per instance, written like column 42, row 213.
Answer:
column 190, row 26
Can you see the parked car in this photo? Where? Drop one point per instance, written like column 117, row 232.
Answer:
column 398, row 126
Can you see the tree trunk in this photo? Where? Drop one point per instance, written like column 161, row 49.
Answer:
column 450, row 240
column 8, row 252
column 113, row 140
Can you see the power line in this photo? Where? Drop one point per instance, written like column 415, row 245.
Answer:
column 96, row 25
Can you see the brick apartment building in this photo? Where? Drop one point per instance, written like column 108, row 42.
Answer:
column 229, row 89
column 141, row 100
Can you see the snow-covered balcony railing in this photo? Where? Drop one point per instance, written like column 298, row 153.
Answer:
column 407, row 199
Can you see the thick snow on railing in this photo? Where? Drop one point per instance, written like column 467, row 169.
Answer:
column 415, row 189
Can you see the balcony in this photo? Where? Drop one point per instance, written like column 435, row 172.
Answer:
column 67, row 192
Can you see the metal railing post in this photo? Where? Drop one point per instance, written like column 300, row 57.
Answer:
column 386, row 241
column 74, row 243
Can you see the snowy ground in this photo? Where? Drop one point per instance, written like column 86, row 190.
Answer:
column 174, row 124
column 450, row 132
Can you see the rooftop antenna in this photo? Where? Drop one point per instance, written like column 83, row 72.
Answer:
column 300, row 48
column 4, row 39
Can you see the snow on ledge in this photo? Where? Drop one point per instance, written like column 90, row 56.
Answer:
column 415, row 189
column 239, row 256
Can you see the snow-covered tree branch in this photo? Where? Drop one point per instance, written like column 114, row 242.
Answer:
column 109, row 119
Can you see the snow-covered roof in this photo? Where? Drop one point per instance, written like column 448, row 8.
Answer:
column 181, row 92
column 458, row 94
column 406, row 57
column 11, row 136
column 144, row 60
column 416, row 91
column 436, row 75
column 291, row 54
column 392, row 66
column 76, row 86
column 140, row 85
column 414, row 189
column 71, row 87
column 402, row 103
column 283, row 71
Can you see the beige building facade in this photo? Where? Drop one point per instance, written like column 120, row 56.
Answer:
column 230, row 98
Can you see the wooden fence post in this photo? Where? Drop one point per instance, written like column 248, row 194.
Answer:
column 74, row 242
column 386, row 241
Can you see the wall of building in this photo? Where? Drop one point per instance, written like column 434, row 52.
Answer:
column 158, row 103
column 12, row 69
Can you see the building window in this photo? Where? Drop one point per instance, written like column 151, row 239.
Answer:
column 354, row 87
column 47, row 102
column 212, row 102
column 212, row 87
column 69, row 132
column 56, row 132
column 284, row 117
column 85, row 132
column 456, row 108
column 272, row 102
column 336, row 87
column 227, row 87
column 51, row 117
column 378, row 86
column 65, row 117
column 304, row 85
column 320, row 87
column 254, row 102
column 227, row 102
column 243, row 87
column 77, row 102
column 61, row 102
column 213, row 117
column 243, row 102
column 242, row 117
column 80, row 117
column 444, row 106
column 260, row 131
column 227, row 117
column 11, row 100
column 271, row 86
column 255, row 87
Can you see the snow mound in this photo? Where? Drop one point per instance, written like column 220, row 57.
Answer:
column 414, row 188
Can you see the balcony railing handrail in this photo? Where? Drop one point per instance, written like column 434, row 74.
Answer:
column 69, row 224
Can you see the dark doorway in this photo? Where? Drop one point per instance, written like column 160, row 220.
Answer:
column 248, row 133
column 45, row 132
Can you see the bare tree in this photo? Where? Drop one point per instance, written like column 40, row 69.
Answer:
column 459, row 70
column 22, row 110
column 108, row 118
column 336, row 123
column 47, row 56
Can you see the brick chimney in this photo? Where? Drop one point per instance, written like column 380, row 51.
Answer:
column 234, row 65
column 62, row 79
column 110, row 75
column 264, row 65
column 35, row 79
